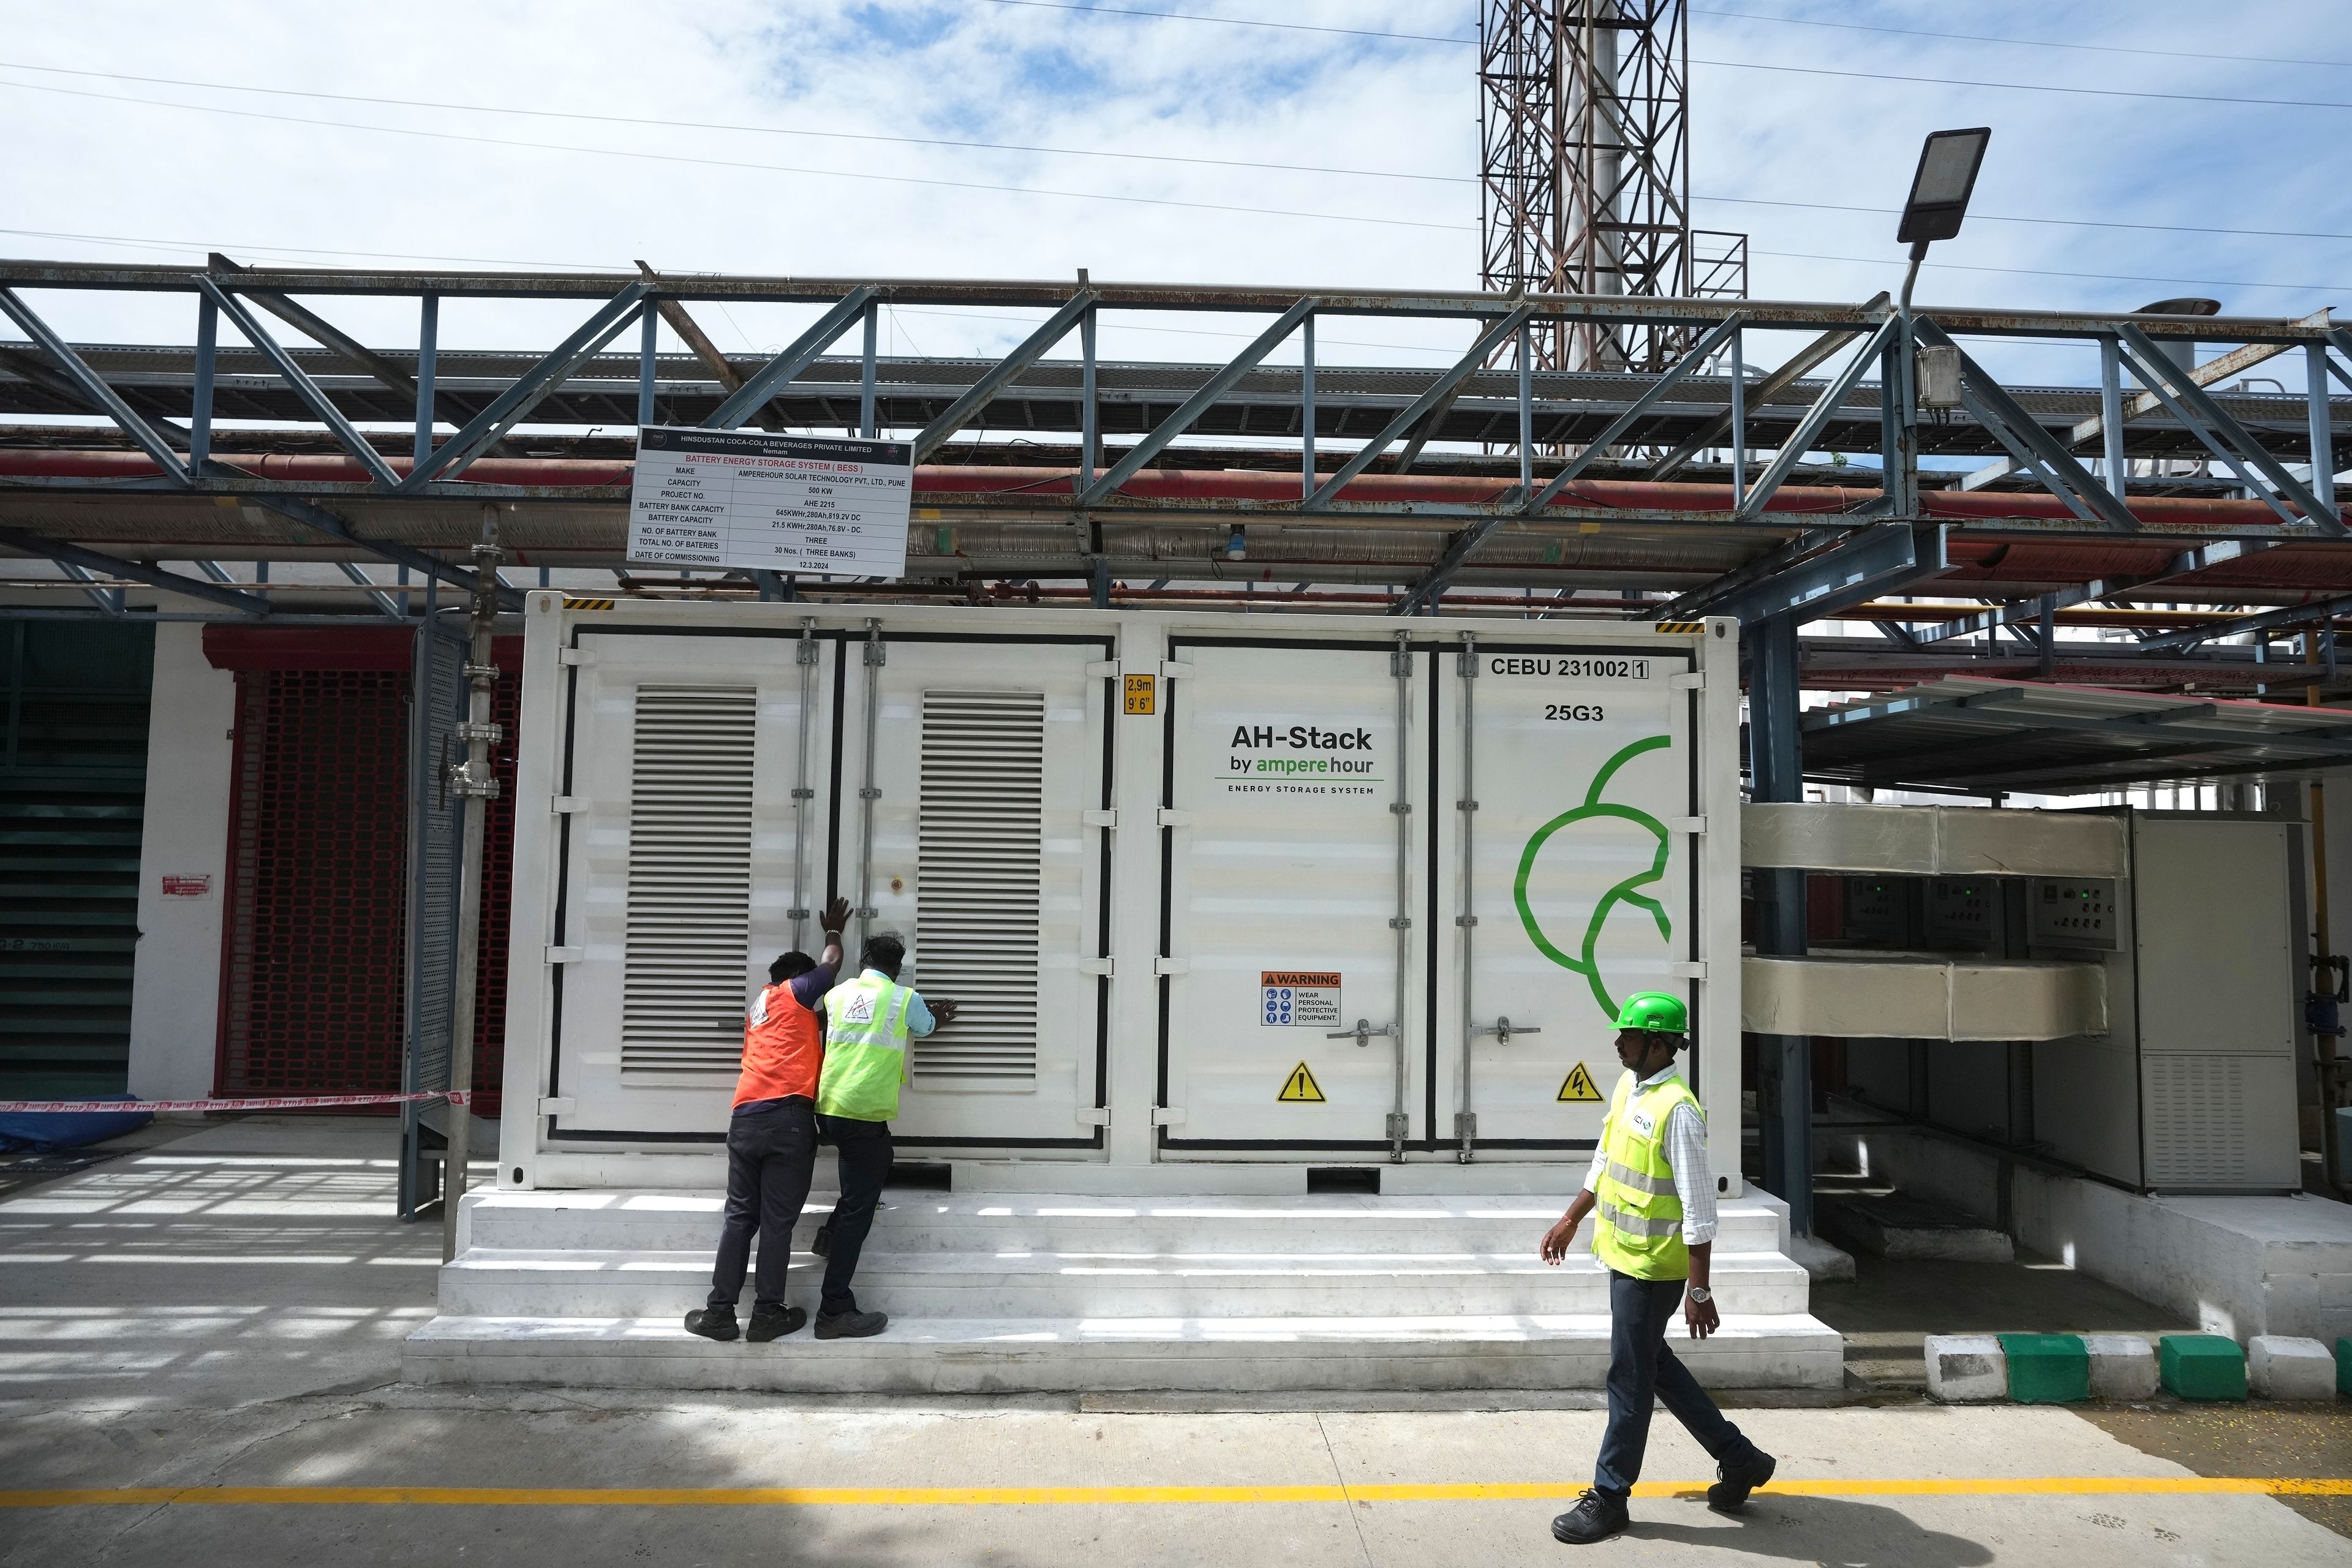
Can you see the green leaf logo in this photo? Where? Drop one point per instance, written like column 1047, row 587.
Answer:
column 1627, row 891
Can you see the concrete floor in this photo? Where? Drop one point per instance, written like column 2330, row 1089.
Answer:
column 224, row 1311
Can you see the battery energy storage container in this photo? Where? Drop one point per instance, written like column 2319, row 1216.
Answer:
column 1209, row 887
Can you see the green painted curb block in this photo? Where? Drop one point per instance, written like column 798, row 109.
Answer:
column 2201, row 1366
column 2344, row 1367
column 2047, row 1369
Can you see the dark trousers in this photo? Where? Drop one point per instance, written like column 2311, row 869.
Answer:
column 771, row 1155
column 1642, row 1370
column 864, row 1150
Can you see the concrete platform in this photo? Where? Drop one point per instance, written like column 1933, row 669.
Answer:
column 997, row 1291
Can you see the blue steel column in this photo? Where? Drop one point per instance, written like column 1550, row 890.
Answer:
column 648, row 365
column 2111, row 412
column 200, row 411
column 1738, row 420
column 866, row 426
column 1527, row 415
column 428, row 349
column 1089, row 425
column 1306, row 409
column 1784, row 1061
column 2322, row 434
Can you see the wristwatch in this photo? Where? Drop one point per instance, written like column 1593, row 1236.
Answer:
column 1701, row 1294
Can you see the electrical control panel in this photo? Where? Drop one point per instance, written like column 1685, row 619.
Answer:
column 2067, row 913
column 1962, row 911
column 1875, row 909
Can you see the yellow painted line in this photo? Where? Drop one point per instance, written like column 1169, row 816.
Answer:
column 933, row 1497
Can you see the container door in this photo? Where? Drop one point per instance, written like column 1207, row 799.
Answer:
column 975, row 779
column 1573, row 778
column 694, row 795
column 1292, row 832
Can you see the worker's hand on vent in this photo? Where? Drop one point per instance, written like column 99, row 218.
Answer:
column 837, row 917
column 943, row 1012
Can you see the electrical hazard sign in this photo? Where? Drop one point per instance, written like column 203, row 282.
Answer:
column 1577, row 1087
column 1300, row 1087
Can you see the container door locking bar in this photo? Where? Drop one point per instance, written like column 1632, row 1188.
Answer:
column 1401, row 666
column 877, row 654
column 805, row 655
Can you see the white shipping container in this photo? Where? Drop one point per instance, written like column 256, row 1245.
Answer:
column 1208, row 887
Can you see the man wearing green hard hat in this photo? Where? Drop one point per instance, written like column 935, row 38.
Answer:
column 1653, row 1201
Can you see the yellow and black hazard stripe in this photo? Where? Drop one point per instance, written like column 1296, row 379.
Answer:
column 1683, row 628
column 572, row 603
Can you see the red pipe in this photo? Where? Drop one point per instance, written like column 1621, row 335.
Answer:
column 1052, row 486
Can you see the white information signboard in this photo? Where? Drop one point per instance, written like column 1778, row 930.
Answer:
column 784, row 503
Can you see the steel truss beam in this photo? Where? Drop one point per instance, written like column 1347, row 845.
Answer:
column 2167, row 380
column 317, row 402
column 93, row 386
column 65, row 554
column 976, row 397
column 796, row 356
column 1466, row 544
column 327, row 522
column 1801, row 440
column 508, row 408
column 2292, row 615
column 2184, row 565
column 2030, row 443
column 1803, row 360
column 1489, row 341
column 1192, row 408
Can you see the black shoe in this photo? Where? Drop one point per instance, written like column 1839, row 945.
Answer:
column 850, row 1325
column 712, row 1323
column 822, row 1242
column 774, row 1323
column 1729, row 1494
column 1597, row 1516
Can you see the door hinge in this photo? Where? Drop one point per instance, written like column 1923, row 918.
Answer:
column 1094, row 1116
column 1171, row 671
column 1685, row 824
column 1170, row 817
column 583, row 658
column 1104, row 818
column 564, row 804
column 1167, row 1116
column 1465, row 1126
column 566, row 955
column 1688, row 681
column 559, row 1105
column 1103, row 669
column 1103, row 966
column 1688, row 968
column 1172, row 966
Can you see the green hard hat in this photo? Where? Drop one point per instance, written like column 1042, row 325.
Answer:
column 1656, row 1011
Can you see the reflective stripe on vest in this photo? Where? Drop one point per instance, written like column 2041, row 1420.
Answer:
column 1638, row 1215
column 865, row 1049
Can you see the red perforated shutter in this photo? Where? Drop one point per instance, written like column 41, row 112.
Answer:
column 312, row 948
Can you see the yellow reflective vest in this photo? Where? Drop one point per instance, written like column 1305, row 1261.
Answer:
column 1637, row 1213
column 865, row 1049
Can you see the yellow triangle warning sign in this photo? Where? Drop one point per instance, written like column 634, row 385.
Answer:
column 1578, row 1086
column 1300, row 1087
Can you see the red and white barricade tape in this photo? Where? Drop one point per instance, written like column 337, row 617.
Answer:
column 297, row 1103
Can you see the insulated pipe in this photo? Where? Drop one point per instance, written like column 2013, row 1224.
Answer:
column 1050, row 487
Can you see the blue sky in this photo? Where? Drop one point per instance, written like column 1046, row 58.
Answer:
column 382, row 181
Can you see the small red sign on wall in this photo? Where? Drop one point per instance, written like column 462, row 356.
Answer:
column 198, row 887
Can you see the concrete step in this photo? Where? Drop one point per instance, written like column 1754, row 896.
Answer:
column 998, row 1222
column 1249, row 1356
column 1892, row 1223
column 1211, row 1285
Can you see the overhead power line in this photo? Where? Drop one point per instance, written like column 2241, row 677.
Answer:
column 738, row 164
column 1233, row 21
column 2033, row 86
column 739, row 130
column 2201, row 56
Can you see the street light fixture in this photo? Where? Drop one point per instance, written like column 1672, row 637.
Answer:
column 1939, row 193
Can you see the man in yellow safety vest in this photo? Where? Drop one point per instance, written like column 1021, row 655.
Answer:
column 1653, row 1233
column 867, row 1023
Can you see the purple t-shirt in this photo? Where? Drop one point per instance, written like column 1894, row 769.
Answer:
column 809, row 991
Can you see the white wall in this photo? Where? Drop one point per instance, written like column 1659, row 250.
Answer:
column 175, row 990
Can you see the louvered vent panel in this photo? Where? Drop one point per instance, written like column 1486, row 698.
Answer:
column 2196, row 1120
column 982, row 846
column 689, row 879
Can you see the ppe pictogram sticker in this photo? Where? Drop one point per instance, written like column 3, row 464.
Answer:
column 1578, row 1086
column 1300, row 1087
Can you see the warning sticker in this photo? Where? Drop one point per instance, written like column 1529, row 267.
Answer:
column 1578, row 1086
column 1300, row 1087
column 1298, row 998
column 1142, row 693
